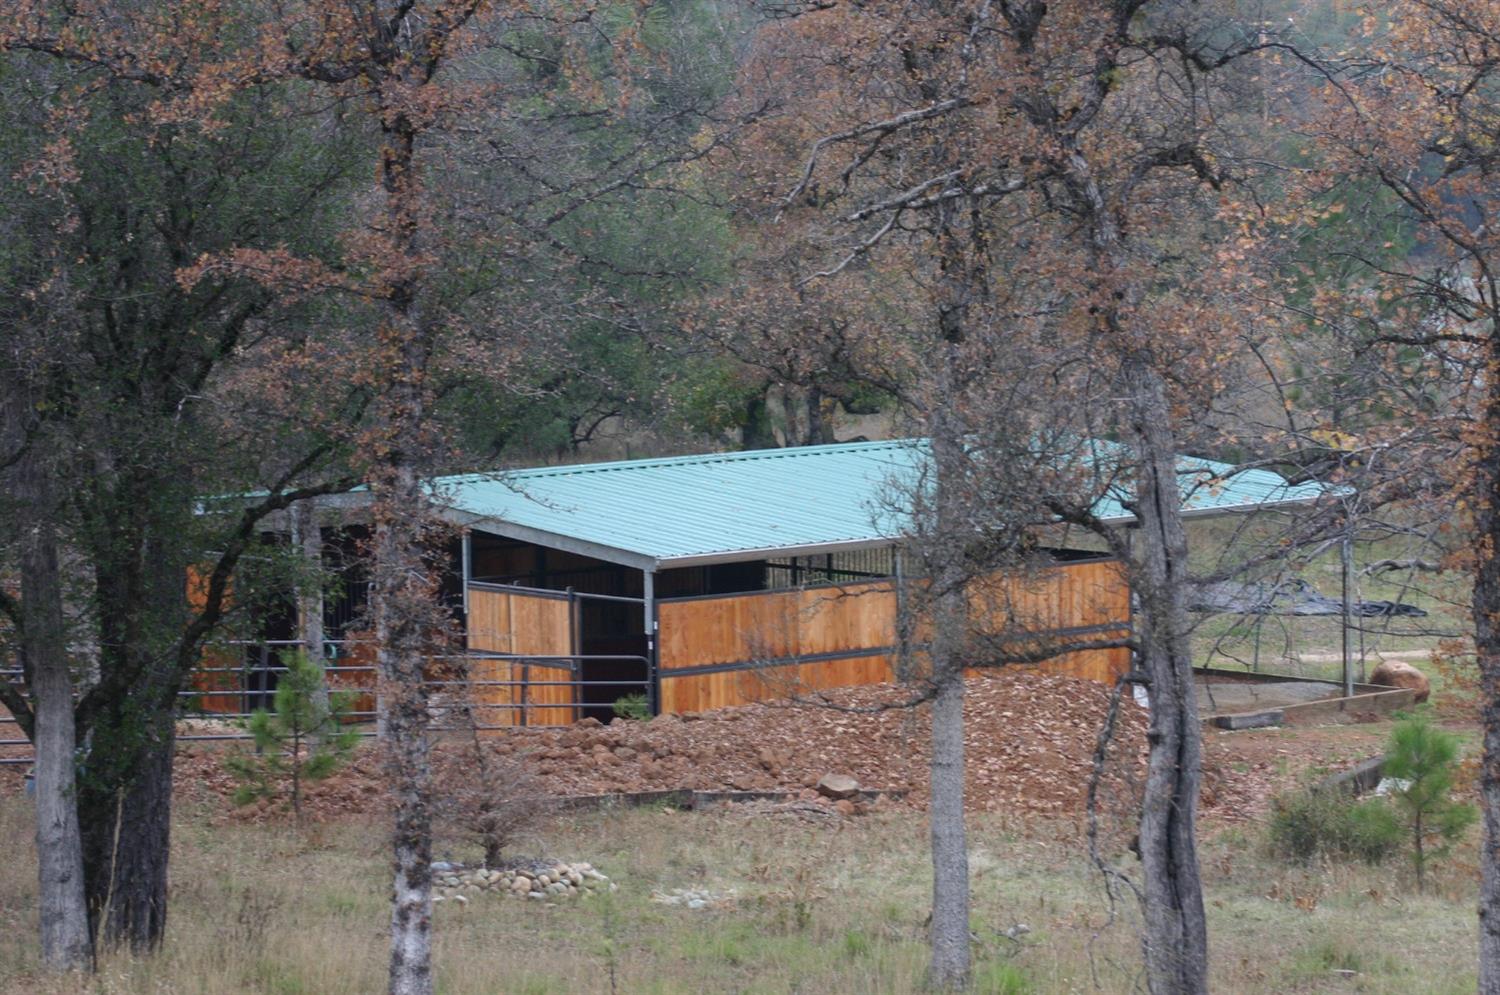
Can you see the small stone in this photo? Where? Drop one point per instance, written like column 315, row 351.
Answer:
column 575, row 879
column 461, row 900
column 544, row 879
column 837, row 786
column 844, row 807
column 696, row 903
column 535, row 894
column 520, row 886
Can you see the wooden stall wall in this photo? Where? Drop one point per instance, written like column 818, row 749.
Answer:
column 221, row 668
column 521, row 623
column 852, row 627
column 1072, row 603
column 734, row 649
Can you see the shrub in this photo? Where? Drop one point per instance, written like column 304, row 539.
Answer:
column 632, row 706
column 1307, row 825
column 486, row 798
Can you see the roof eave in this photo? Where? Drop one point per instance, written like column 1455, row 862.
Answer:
column 1246, row 508
column 765, row 552
column 553, row 540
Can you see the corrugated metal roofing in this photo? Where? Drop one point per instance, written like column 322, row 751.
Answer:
column 721, row 507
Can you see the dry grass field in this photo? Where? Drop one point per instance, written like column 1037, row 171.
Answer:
column 835, row 906
column 828, row 906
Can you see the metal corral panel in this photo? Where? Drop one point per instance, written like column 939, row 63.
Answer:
column 719, row 507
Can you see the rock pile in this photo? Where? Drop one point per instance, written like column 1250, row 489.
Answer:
column 696, row 899
column 538, row 880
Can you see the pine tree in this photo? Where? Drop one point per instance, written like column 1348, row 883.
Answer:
column 1425, row 757
column 304, row 739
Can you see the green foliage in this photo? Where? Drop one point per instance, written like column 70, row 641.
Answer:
column 857, row 944
column 1001, row 978
column 1315, row 961
column 633, row 706
column 1307, row 825
column 1425, row 758
column 617, row 266
column 304, row 739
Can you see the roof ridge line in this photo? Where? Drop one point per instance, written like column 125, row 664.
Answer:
column 732, row 456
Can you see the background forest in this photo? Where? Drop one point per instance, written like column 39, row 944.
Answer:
column 258, row 253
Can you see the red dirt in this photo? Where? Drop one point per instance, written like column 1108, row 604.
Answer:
column 1030, row 742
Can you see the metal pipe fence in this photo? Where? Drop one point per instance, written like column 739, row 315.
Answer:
column 487, row 704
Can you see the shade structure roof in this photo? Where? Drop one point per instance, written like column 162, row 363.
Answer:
column 726, row 507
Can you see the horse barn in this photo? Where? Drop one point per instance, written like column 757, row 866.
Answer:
column 715, row 580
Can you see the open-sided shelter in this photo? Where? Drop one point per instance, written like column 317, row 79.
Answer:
column 712, row 580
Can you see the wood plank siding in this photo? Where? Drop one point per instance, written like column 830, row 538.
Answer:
column 734, row 649
column 516, row 623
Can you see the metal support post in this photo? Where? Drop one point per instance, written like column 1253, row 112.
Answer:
column 648, row 626
column 466, row 556
column 1346, row 559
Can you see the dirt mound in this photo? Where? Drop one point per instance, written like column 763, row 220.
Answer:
column 1030, row 741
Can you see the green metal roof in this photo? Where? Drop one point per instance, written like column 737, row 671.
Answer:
column 724, row 507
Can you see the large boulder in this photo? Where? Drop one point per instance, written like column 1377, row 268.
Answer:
column 1395, row 674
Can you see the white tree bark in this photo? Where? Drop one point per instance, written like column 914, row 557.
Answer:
column 950, row 966
column 308, row 538
column 67, row 943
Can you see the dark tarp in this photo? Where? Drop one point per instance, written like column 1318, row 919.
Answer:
column 1291, row 597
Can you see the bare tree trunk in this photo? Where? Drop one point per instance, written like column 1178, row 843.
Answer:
column 125, row 787
column 1176, row 933
column 403, row 704
column 308, row 537
column 405, row 598
column 1486, row 613
column 949, row 969
column 127, row 837
column 67, row 943
column 950, row 965
column 820, row 426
